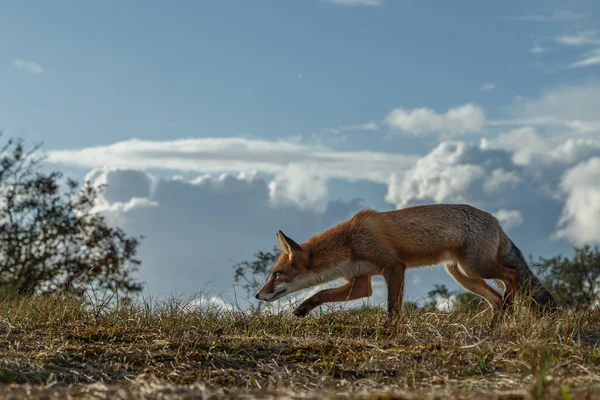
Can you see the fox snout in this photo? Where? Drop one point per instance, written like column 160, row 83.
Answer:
column 272, row 294
column 272, row 290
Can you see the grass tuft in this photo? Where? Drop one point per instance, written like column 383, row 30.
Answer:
column 56, row 347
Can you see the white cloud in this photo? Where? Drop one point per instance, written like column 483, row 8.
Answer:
column 500, row 179
column 525, row 142
column 574, row 150
column 372, row 3
column 591, row 58
column 455, row 172
column 294, row 186
column 456, row 121
column 582, row 38
column 29, row 66
column 509, row 219
column 310, row 166
column 581, row 212
column 135, row 203
column 488, row 87
column 124, row 184
column 556, row 16
column 204, row 303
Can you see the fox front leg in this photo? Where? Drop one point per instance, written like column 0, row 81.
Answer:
column 394, row 278
column 354, row 289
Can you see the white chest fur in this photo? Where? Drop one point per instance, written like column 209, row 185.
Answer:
column 346, row 270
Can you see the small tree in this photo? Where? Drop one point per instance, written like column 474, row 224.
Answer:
column 574, row 282
column 439, row 292
column 468, row 302
column 460, row 301
column 51, row 240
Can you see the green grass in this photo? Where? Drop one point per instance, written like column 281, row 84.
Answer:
column 53, row 346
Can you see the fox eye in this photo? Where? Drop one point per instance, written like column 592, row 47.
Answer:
column 276, row 275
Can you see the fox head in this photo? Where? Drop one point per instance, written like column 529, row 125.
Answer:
column 286, row 276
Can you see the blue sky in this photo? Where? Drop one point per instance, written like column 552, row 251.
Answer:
column 115, row 70
column 310, row 95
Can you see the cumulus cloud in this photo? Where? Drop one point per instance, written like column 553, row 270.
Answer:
column 455, row 121
column 121, row 207
column 525, row 143
column 29, row 66
column 455, row 172
column 124, row 184
column 509, row 219
column 294, row 186
column 574, row 150
column 581, row 213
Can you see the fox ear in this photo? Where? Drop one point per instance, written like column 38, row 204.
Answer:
column 287, row 244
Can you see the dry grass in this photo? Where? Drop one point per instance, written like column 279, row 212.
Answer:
column 56, row 348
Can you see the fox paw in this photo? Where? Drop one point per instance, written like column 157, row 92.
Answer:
column 302, row 310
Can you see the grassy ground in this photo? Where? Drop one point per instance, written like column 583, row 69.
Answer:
column 54, row 348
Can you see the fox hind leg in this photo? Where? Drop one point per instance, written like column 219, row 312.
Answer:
column 509, row 281
column 477, row 286
column 489, row 268
column 354, row 289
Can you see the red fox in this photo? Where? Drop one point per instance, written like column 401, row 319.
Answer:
column 470, row 242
